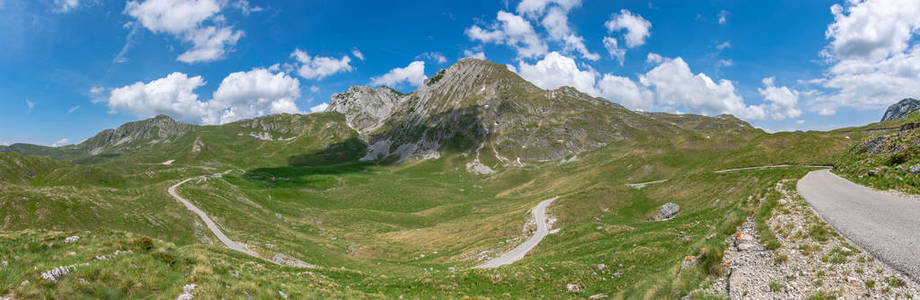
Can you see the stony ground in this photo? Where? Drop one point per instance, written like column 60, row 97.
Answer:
column 811, row 261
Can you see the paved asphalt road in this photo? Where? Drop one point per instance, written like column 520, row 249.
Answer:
column 886, row 225
column 207, row 220
column 516, row 254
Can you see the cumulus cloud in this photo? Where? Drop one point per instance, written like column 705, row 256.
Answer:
column 654, row 58
column 614, row 49
column 240, row 95
column 173, row 95
column 637, row 27
column 535, row 8
column 319, row 108
column 626, row 92
column 474, row 54
column 874, row 55
column 414, row 74
column 254, row 93
column 676, row 86
column 185, row 20
column 782, row 101
column 556, row 70
column 318, row 67
column 556, row 23
column 670, row 86
column 433, row 56
column 723, row 16
column 61, row 142
column 511, row 30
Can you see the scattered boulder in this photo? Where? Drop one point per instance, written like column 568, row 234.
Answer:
column 573, row 287
column 915, row 169
column 283, row 259
column 667, row 211
column 598, row 296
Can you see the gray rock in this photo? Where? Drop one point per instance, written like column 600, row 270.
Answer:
column 667, row 211
column 573, row 287
column 901, row 109
column 915, row 169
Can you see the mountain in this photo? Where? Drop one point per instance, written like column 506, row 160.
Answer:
column 901, row 109
column 482, row 107
column 391, row 194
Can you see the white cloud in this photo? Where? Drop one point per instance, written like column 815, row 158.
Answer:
column 873, row 29
column 726, row 63
column 240, row 95
column 96, row 90
column 414, row 74
column 61, row 142
column 626, row 92
column 73, row 109
column 511, row 30
column 243, row 95
column 185, row 19
column 534, row 8
column 474, row 54
column 314, row 89
column 874, row 55
column 556, row 23
column 66, row 5
column 556, row 70
column 723, row 45
column 30, row 105
column 654, row 58
column 800, row 122
column 723, row 16
column 614, row 49
column 319, row 108
column 173, row 95
column 676, row 85
column 357, row 53
column 782, row 102
column 637, row 28
column 318, row 67
column 433, row 56
column 245, row 8
column 210, row 44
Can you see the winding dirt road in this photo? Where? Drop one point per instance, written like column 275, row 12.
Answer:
column 882, row 223
column 207, row 220
column 516, row 254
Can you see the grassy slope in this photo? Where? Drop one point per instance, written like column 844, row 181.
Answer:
column 899, row 151
column 308, row 198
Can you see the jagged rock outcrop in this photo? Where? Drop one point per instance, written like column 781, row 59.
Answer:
column 150, row 131
column 365, row 108
column 901, row 109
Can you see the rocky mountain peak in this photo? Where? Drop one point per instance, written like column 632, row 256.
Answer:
column 153, row 130
column 901, row 109
column 365, row 108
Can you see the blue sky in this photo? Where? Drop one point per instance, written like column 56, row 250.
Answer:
column 71, row 68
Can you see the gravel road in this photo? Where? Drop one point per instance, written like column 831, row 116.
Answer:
column 207, row 220
column 884, row 224
column 516, row 254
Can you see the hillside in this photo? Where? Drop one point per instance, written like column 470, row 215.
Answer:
column 401, row 194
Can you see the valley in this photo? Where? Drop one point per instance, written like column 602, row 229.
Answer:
column 477, row 184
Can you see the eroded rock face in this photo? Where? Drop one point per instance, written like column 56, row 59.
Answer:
column 154, row 130
column 901, row 109
column 365, row 108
